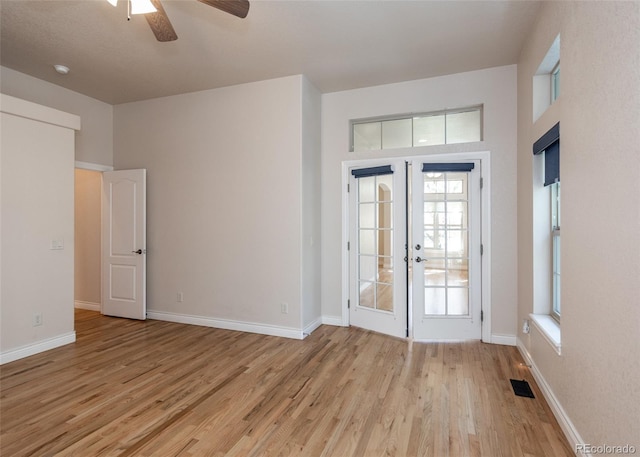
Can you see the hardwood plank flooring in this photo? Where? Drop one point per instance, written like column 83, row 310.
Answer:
column 153, row 388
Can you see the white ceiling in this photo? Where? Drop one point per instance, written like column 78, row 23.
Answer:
column 338, row 45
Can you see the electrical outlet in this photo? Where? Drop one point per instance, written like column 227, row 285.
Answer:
column 180, row 297
column 284, row 308
column 37, row 319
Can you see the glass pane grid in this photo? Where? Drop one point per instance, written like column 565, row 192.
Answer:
column 446, row 239
column 375, row 242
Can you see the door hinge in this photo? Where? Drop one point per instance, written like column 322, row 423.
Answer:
column 348, row 188
column 481, row 315
column 482, row 249
column 348, row 304
column 481, row 183
column 348, row 245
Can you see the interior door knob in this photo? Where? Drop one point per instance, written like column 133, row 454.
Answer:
column 419, row 259
column 139, row 251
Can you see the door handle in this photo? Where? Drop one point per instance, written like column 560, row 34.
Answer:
column 139, row 251
column 419, row 259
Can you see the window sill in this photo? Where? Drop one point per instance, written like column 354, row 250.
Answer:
column 549, row 328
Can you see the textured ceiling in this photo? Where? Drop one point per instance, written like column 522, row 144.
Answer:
column 338, row 45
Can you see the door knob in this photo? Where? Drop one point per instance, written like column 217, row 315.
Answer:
column 419, row 259
column 139, row 251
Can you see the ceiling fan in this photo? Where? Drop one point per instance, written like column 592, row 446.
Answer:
column 161, row 26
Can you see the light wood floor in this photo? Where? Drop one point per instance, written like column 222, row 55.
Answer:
column 162, row 389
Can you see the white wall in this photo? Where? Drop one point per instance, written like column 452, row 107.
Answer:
column 496, row 89
column 595, row 379
column 225, row 202
column 36, row 182
column 310, row 183
column 94, row 143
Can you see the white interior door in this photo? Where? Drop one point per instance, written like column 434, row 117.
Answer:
column 378, row 289
column 124, row 244
column 446, row 262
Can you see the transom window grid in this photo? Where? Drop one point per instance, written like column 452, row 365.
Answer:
column 446, row 244
column 426, row 129
column 375, row 242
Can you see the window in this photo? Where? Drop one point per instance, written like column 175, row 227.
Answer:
column 442, row 127
column 555, row 235
column 549, row 146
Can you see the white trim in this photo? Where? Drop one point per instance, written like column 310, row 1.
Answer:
column 308, row 330
column 570, row 431
column 506, row 340
column 549, row 329
column 36, row 112
column 92, row 166
column 91, row 306
column 334, row 320
column 37, row 347
column 227, row 324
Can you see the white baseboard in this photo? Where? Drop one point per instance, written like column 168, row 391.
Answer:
column 37, row 347
column 561, row 415
column 87, row 305
column 250, row 327
column 311, row 327
column 333, row 320
column 506, row 340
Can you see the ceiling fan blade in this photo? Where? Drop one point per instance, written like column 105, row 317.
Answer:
column 239, row 8
column 160, row 24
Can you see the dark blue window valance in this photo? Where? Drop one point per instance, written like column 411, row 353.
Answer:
column 373, row 171
column 549, row 143
column 444, row 167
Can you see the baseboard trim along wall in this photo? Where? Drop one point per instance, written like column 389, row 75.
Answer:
column 561, row 415
column 308, row 330
column 87, row 305
column 333, row 320
column 37, row 347
column 506, row 340
column 226, row 324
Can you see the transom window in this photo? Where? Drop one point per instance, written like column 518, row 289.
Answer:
column 462, row 125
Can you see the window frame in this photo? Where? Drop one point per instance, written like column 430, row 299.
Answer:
column 412, row 116
column 556, row 303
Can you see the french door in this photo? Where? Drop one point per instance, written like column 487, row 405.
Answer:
column 378, row 292
column 415, row 250
column 446, row 262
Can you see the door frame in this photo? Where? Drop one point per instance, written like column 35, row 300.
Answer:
column 485, row 236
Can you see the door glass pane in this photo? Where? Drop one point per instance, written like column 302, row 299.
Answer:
column 434, row 275
column 367, row 136
column 435, row 301
column 367, row 294
column 375, row 242
column 457, row 301
column 367, row 215
column 446, row 241
column 368, row 268
column 368, row 242
column 367, row 189
column 397, row 134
